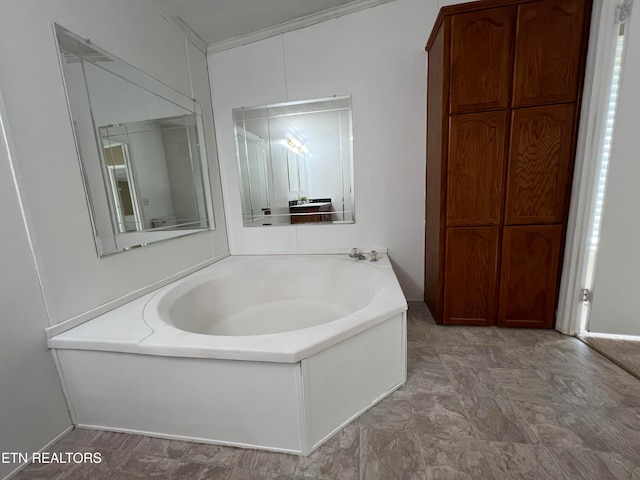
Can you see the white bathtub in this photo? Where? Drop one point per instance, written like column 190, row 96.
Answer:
column 274, row 352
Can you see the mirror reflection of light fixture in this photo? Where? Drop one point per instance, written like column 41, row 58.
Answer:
column 296, row 146
column 291, row 166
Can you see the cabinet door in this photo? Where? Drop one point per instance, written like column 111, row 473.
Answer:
column 540, row 163
column 549, row 51
column 470, row 278
column 529, row 276
column 481, row 46
column 475, row 168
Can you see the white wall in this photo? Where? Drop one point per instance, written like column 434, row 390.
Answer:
column 151, row 173
column 74, row 280
column 378, row 56
column 32, row 406
column 177, row 152
column 66, row 279
column 616, row 308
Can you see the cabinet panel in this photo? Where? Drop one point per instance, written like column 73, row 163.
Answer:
column 437, row 134
column 476, row 168
column 548, row 52
column 529, row 275
column 541, row 158
column 481, row 59
column 470, row 278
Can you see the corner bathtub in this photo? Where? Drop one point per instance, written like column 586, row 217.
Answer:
column 273, row 352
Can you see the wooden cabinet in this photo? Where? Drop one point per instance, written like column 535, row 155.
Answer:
column 470, row 278
column 504, row 85
column 481, row 59
column 540, row 163
column 550, row 51
column 315, row 212
column 529, row 275
column 475, row 168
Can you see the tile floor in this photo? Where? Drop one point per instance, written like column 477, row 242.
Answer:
column 479, row 403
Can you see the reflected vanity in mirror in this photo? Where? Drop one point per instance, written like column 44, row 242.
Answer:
column 141, row 150
column 295, row 162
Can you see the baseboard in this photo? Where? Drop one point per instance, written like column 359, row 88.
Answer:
column 23, row 465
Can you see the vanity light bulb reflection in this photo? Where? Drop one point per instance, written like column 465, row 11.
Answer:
column 296, row 147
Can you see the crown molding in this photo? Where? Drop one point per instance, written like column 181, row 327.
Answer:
column 294, row 24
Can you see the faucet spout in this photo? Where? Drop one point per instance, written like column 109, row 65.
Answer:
column 356, row 254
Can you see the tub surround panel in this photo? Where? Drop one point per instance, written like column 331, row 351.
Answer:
column 248, row 404
column 349, row 376
column 285, row 407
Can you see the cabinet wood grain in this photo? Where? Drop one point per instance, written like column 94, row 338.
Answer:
column 541, row 160
column 476, row 168
column 437, row 134
column 529, row 275
column 481, row 59
column 470, row 278
column 548, row 62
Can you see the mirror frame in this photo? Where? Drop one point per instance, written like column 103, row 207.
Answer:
column 154, row 86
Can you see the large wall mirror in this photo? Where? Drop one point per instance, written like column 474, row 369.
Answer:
column 141, row 150
column 295, row 162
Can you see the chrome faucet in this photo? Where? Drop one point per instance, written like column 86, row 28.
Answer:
column 356, row 254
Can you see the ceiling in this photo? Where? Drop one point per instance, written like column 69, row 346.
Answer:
column 216, row 21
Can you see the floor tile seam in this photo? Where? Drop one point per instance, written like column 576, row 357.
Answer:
column 495, row 379
column 211, row 463
column 191, row 444
column 483, row 444
column 603, row 439
column 580, row 416
column 151, row 454
column 396, row 428
column 421, row 450
column 466, row 393
column 505, row 388
column 517, row 413
column 556, row 460
column 468, row 417
column 124, row 458
column 268, row 471
column 499, row 332
column 526, row 422
column 314, row 477
column 175, row 467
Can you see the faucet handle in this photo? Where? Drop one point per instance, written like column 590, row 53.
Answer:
column 373, row 256
column 354, row 252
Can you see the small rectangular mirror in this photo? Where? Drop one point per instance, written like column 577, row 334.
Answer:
column 141, row 150
column 295, row 162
